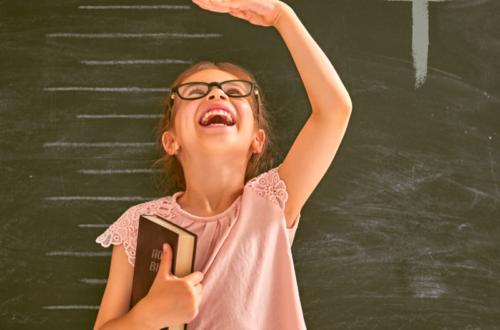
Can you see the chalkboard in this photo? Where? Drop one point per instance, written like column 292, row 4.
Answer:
column 403, row 232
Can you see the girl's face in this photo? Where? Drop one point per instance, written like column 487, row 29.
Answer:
column 191, row 138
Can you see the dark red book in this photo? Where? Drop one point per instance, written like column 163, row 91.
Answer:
column 153, row 232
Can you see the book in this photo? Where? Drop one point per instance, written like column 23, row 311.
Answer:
column 153, row 232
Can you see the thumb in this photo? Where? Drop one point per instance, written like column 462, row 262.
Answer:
column 165, row 268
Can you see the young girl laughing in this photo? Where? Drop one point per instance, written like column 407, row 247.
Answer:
column 215, row 137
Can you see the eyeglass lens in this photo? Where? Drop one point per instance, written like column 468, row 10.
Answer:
column 231, row 88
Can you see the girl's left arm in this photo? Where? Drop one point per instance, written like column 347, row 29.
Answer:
column 317, row 143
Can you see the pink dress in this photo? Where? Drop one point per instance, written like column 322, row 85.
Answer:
column 244, row 254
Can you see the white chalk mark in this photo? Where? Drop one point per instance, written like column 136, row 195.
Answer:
column 119, row 116
column 94, row 281
column 134, row 35
column 106, row 89
column 427, row 286
column 71, row 307
column 398, row 60
column 446, row 73
column 475, row 191
column 420, row 44
column 464, row 266
column 464, row 225
column 468, row 3
column 98, row 144
column 99, row 198
column 94, row 225
column 420, row 38
column 146, row 170
column 88, row 62
column 135, row 7
column 78, row 254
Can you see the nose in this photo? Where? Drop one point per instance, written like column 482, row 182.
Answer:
column 216, row 92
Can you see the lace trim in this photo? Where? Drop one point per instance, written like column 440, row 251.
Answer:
column 270, row 186
column 125, row 229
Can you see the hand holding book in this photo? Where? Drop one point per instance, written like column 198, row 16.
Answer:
column 171, row 300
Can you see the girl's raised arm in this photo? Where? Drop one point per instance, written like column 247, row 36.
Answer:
column 317, row 143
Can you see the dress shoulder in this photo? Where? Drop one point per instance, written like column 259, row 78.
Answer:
column 124, row 230
column 270, row 186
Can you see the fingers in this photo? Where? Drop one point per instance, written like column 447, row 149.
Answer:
column 232, row 4
column 218, row 10
column 223, row 6
column 194, row 278
column 239, row 14
column 166, row 261
column 208, row 6
column 198, row 289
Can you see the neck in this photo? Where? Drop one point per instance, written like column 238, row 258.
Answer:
column 213, row 183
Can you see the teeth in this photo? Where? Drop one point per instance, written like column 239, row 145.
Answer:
column 218, row 112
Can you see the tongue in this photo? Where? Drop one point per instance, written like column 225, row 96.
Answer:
column 217, row 120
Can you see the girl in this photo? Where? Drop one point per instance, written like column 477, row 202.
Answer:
column 215, row 133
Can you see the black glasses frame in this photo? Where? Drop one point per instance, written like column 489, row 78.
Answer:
column 175, row 90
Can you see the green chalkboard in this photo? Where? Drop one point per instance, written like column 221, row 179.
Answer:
column 403, row 232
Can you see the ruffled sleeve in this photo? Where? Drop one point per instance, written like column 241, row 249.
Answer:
column 123, row 231
column 270, row 186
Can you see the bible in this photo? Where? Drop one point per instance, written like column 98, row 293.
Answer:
column 153, row 232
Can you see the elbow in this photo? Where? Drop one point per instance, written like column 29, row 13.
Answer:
column 346, row 102
column 348, row 105
column 346, row 108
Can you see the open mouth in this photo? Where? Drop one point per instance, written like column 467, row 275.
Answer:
column 217, row 118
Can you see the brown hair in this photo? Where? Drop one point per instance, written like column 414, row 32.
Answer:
column 169, row 178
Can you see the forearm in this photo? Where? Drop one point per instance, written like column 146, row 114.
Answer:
column 326, row 92
column 133, row 320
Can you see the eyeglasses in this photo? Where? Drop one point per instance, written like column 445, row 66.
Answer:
column 232, row 88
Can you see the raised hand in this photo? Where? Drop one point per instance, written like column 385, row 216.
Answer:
column 258, row 12
column 171, row 300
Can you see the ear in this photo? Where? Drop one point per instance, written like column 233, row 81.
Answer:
column 168, row 142
column 258, row 142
